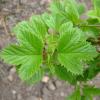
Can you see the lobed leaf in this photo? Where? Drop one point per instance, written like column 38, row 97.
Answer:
column 73, row 49
column 27, row 53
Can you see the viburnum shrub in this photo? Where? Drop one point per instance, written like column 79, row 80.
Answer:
column 62, row 43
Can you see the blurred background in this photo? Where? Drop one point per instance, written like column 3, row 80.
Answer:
column 11, row 87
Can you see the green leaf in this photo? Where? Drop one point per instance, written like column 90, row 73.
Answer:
column 81, row 8
column 27, row 38
column 27, row 53
column 53, row 21
column 63, row 74
column 86, row 97
column 71, row 11
column 23, row 27
column 66, row 8
column 16, row 55
column 57, row 6
column 38, row 26
column 91, row 90
column 95, row 30
column 73, row 49
column 52, row 42
column 91, row 31
column 91, row 71
column 35, row 26
column 75, row 96
column 95, row 13
column 94, row 68
column 96, row 4
column 36, row 77
column 28, row 69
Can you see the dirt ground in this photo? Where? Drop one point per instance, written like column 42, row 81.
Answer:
column 11, row 87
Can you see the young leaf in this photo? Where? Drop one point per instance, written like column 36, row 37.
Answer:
column 53, row 21
column 52, row 42
column 73, row 49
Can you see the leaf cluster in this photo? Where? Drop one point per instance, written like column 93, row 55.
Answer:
column 58, row 42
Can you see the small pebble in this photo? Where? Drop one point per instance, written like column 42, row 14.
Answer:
column 62, row 94
column 58, row 83
column 46, row 91
column 19, row 97
column 98, row 48
column 45, row 79
column 51, row 86
column 14, row 92
column 34, row 98
column 10, row 78
column 13, row 70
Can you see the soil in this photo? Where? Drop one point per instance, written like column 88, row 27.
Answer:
column 11, row 87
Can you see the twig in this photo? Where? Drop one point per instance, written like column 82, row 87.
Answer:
column 4, row 25
column 19, row 5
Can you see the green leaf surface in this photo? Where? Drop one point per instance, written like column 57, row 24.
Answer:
column 91, row 90
column 75, row 96
column 66, row 8
column 95, row 13
column 52, row 42
column 53, row 21
column 63, row 74
column 57, row 6
column 38, row 26
column 16, row 55
column 81, row 8
column 86, row 97
column 28, row 69
column 36, row 77
column 73, row 49
column 27, row 52
column 96, row 4
column 71, row 11
column 91, row 71
column 91, row 27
